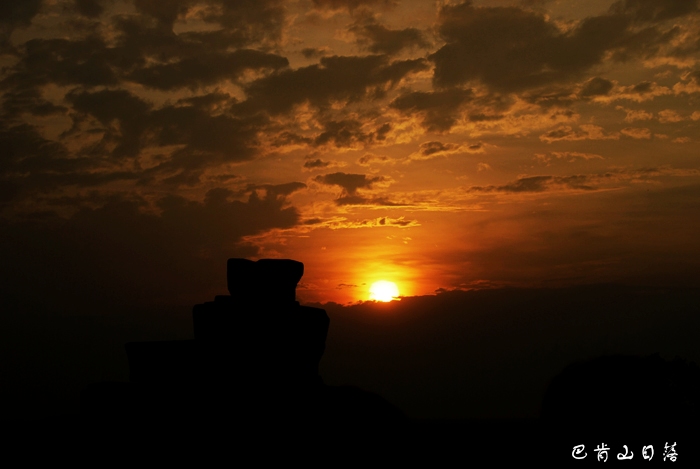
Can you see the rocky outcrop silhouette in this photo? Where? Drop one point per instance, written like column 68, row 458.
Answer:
column 254, row 358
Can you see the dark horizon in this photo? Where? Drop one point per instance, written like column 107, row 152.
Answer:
column 394, row 349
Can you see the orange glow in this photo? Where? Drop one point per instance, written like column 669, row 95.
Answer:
column 383, row 291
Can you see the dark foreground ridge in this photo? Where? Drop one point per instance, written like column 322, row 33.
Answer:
column 248, row 384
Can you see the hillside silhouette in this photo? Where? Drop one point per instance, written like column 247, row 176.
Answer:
column 250, row 378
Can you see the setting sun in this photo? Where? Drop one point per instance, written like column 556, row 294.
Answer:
column 383, row 291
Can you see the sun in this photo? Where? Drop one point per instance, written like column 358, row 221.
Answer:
column 383, row 291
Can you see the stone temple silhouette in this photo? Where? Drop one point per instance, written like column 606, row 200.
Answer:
column 254, row 357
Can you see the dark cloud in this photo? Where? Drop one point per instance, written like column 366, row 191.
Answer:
column 211, row 102
column 118, row 255
column 165, row 12
column 655, row 10
column 342, row 133
column 596, row 87
column 352, row 5
column 206, row 69
column 64, row 62
column 510, row 49
column 361, row 200
column 584, row 132
column 19, row 11
column 108, row 106
column 154, row 54
column 291, row 138
column 13, row 14
column 539, row 184
column 28, row 100
column 349, row 182
column 397, row 222
column 694, row 77
column 31, row 165
column 335, row 78
column 89, row 8
column 367, row 159
column 431, row 148
column 379, row 39
column 643, row 87
column 565, row 96
column 127, row 125
column 348, row 133
column 438, row 109
column 282, row 189
column 313, row 52
column 243, row 21
column 316, row 164
column 208, row 138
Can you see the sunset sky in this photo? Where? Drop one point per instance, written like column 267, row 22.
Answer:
column 438, row 145
column 433, row 144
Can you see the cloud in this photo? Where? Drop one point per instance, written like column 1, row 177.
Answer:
column 242, row 23
column 654, row 10
column 635, row 114
column 14, row 14
column 431, row 148
column 139, row 49
column 352, row 5
column 439, row 110
column 585, row 132
column 690, row 83
column 336, row 78
column 314, row 52
column 206, row 69
column 121, row 126
column 538, row 184
column 669, row 115
column 644, row 91
column 316, row 164
column 399, row 222
column 509, row 49
column 277, row 190
column 596, row 87
column 89, row 8
column 350, row 183
column 636, row 132
column 570, row 156
column 436, row 149
column 349, row 133
column 64, row 62
column 379, row 39
column 582, row 182
column 369, row 158
column 512, row 49
column 121, row 254
column 206, row 138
